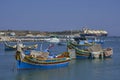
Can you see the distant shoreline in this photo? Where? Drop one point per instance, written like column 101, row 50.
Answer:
column 46, row 33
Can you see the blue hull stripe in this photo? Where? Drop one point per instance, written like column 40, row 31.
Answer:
column 24, row 65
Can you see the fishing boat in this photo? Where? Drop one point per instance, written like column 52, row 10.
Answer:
column 39, row 59
column 53, row 39
column 90, row 51
column 80, row 50
column 108, row 52
column 14, row 47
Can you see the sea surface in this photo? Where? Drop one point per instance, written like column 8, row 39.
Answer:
column 78, row 69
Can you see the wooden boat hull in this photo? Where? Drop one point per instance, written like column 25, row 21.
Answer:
column 26, row 65
column 108, row 53
column 30, row 61
column 82, row 56
column 9, row 48
column 14, row 47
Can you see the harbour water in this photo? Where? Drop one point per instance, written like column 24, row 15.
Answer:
column 79, row 69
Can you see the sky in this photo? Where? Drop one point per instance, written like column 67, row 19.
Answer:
column 60, row 15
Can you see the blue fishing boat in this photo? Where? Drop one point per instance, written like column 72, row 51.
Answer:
column 32, row 59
